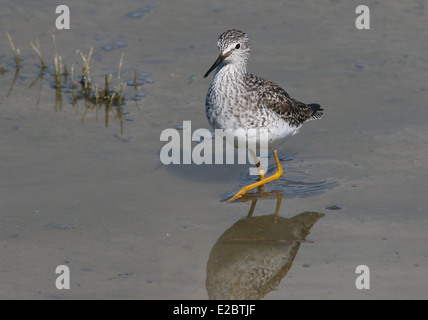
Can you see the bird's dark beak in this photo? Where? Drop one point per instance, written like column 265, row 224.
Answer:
column 219, row 60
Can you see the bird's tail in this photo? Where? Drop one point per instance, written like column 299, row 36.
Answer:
column 317, row 111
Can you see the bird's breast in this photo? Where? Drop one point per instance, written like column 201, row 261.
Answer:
column 229, row 104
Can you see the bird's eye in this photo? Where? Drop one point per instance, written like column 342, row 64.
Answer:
column 238, row 46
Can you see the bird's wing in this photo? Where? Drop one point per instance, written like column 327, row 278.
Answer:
column 278, row 100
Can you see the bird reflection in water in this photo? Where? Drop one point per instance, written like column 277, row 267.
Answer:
column 251, row 257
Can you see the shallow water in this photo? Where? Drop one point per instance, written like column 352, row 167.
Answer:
column 81, row 194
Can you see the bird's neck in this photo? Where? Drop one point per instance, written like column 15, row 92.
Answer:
column 233, row 71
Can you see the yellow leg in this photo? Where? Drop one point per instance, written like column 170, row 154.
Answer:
column 278, row 173
column 259, row 168
column 261, row 176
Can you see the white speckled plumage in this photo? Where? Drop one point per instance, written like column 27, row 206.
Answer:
column 239, row 100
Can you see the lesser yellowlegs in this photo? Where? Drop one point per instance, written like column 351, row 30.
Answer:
column 239, row 100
